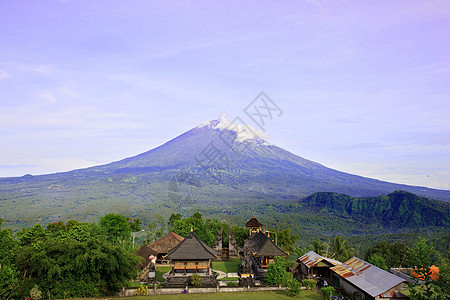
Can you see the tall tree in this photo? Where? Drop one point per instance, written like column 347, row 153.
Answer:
column 74, row 260
column 116, row 227
column 9, row 275
column 422, row 253
column 318, row 247
column 396, row 254
column 340, row 249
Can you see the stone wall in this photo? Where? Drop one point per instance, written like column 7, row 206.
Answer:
column 192, row 290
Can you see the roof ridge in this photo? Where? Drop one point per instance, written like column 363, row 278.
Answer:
column 202, row 243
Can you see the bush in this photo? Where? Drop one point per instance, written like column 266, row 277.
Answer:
column 327, row 292
column 232, row 283
column 142, row 290
column 310, row 284
column 294, row 287
column 276, row 271
column 196, row 280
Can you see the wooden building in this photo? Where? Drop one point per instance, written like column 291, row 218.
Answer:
column 364, row 281
column 313, row 264
column 263, row 250
column 191, row 256
column 160, row 248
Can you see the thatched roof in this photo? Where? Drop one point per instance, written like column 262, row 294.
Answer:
column 192, row 248
column 167, row 242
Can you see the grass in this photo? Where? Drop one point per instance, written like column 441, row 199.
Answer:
column 229, row 279
column 160, row 271
column 268, row 295
column 227, row 266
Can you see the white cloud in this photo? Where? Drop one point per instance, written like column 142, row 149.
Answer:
column 244, row 131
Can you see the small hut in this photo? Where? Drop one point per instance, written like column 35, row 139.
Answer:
column 311, row 264
column 191, row 256
column 160, row 248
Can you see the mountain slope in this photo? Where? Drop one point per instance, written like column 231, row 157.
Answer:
column 398, row 209
column 182, row 174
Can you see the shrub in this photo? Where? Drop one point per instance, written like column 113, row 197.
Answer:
column 196, row 280
column 276, row 271
column 310, row 284
column 327, row 292
column 294, row 287
column 142, row 290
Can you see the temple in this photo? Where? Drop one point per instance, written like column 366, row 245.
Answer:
column 191, row 256
column 261, row 249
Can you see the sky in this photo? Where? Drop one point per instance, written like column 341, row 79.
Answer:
column 361, row 86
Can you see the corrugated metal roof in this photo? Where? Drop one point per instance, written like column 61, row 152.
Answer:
column 367, row 277
column 311, row 258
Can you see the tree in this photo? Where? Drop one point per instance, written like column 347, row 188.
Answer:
column 318, row 247
column 156, row 228
column 206, row 230
column 240, row 234
column 116, row 227
column 75, row 260
column 9, row 275
column 396, row 254
column 340, row 250
column 173, row 217
column 422, row 256
column 378, row 261
column 442, row 285
column 276, row 271
column 285, row 240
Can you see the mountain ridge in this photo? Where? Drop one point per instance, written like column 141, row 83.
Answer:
column 170, row 177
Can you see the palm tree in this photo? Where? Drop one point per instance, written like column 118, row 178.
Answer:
column 318, row 247
column 340, row 250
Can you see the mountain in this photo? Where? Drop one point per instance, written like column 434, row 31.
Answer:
column 211, row 166
column 399, row 209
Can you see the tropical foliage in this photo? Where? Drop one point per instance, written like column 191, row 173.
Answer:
column 68, row 260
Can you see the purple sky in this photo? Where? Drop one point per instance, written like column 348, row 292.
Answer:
column 364, row 85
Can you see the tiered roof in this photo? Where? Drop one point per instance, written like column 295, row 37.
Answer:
column 261, row 245
column 192, row 248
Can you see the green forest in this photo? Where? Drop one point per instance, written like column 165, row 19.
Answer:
column 74, row 259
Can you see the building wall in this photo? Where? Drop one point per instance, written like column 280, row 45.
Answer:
column 352, row 290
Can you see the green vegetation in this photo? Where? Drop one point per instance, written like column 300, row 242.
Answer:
column 267, row 295
column 230, row 266
column 68, row 260
column 277, row 272
column 160, row 271
column 327, row 292
column 229, row 279
column 310, row 284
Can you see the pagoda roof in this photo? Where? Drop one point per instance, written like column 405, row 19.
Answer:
column 253, row 222
column 261, row 245
column 192, row 248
